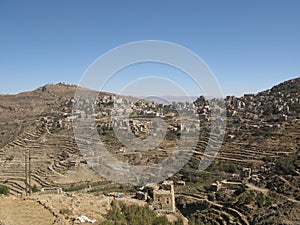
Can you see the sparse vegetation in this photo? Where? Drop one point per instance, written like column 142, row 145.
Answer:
column 34, row 188
column 76, row 188
column 10, row 158
column 135, row 215
column 4, row 190
column 65, row 211
column 286, row 165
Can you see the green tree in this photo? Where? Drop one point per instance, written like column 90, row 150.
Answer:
column 4, row 190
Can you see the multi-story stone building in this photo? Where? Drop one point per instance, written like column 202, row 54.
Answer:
column 164, row 198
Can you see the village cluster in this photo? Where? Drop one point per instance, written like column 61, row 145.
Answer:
column 129, row 114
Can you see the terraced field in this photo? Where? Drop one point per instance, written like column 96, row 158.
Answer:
column 37, row 136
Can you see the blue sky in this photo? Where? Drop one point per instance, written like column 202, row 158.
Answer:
column 249, row 45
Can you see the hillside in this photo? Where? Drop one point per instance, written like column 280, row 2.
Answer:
column 262, row 133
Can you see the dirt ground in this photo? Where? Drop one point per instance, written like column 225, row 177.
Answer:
column 45, row 209
column 14, row 211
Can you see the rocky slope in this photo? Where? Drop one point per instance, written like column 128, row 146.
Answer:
column 262, row 134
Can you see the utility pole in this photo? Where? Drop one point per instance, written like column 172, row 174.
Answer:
column 26, row 178
column 27, row 156
column 29, row 171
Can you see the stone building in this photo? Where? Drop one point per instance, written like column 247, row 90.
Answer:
column 215, row 186
column 52, row 190
column 181, row 183
column 140, row 195
column 164, row 198
column 149, row 189
column 245, row 173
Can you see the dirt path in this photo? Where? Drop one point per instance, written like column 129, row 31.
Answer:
column 253, row 187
